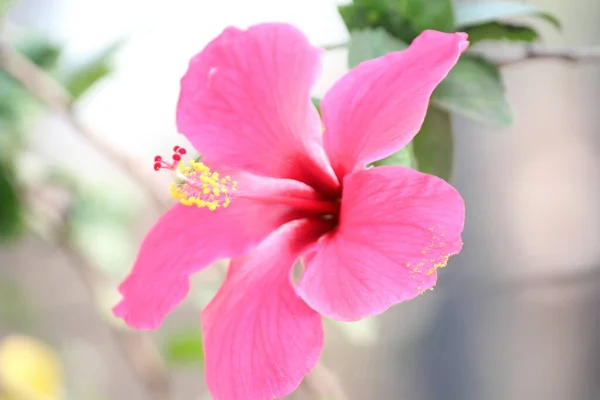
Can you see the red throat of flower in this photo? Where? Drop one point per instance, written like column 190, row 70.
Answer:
column 197, row 184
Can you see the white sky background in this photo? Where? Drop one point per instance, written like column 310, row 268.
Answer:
column 135, row 107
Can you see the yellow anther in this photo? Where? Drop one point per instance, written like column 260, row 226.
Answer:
column 201, row 187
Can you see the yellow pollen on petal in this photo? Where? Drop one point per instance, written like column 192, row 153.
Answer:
column 200, row 187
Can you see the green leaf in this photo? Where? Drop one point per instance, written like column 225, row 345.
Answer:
column 317, row 103
column 501, row 31
column 474, row 88
column 100, row 223
column 433, row 146
column 185, row 347
column 429, row 14
column 371, row 43
column 83, row 78
column 17, row 106
column 386, row 14
column 364, row 332
column 11, row 210
column 469, row 14
column 404, row 157
column 4, row 5
column 41, row 51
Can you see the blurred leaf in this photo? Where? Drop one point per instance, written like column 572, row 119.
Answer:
column 403, row 19
column 474, row 88
column 469, row 14
column 317, row 103
column 39, row 50
column 4, row 5
column 500, row 31
column 17, row 105
column 404, row 157
column 185, row 348
column 433, row 146
column 83, row 78
column 386, row 14
column 430, row 14
column 359, row 333
column 100, row 226
column 30, row 369
column 371, row 43
column 11, row 212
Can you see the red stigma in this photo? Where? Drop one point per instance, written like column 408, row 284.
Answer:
column 159, row 163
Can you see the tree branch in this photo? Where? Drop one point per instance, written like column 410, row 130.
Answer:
column 58, row 99
column 584, row 54
column 529, row 53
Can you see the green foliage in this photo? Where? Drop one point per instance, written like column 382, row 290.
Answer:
column 184, row 348
column 428, row 14
column 501, row 31
column 11, row 212
column 403, row 19
column 17, row 109
column 81, row 79
column 367, row 44
column 474, row 88
column 364, row 14
column 17, row 106
column 405, row 157
column 433, row 146
column 100, row 222
column 39, row 50
column 471, row 14
column 4, row 6
column 317, row 103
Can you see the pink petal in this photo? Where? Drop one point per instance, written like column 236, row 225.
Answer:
column 260, row 338
column 187, row 239
column 397, row 226
column 378, row 107
column 245, row 102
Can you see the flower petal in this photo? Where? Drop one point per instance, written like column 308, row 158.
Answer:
column 187, row 239
column 245, row 102
column 260, row 338
column 378, row 107
column 397, row 226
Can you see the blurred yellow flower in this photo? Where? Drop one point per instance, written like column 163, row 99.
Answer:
column 29, row 370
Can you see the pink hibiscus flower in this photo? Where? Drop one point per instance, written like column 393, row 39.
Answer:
column 368, row 237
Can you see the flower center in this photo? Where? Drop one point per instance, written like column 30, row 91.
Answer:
column 197, row 184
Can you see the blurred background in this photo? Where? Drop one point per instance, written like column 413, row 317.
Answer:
column 515, row 316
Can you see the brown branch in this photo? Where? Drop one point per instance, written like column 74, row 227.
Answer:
column 584, row 54
column 58, row 99
column 529, row 53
